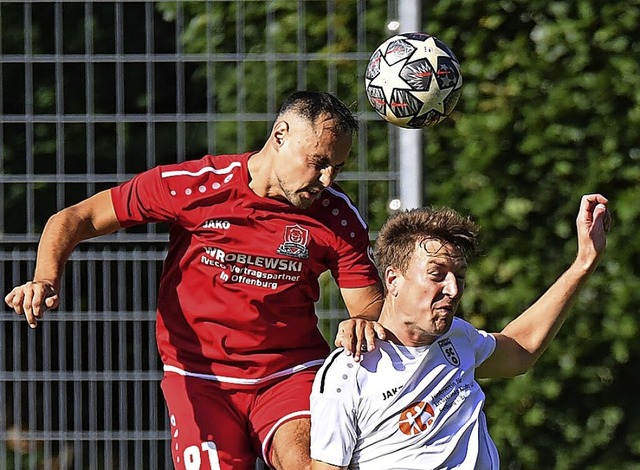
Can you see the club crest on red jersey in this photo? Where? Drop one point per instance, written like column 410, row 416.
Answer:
column 449, row 352
column 296, row 239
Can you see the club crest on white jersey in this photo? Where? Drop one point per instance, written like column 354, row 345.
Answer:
column 296, row 240
column 449, row 352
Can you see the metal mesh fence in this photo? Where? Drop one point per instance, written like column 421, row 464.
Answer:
column 90, row 94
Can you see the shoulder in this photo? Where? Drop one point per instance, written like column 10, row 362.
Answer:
column 332, row 366
column 335, row 211
column 463, row 331
column 461, row 327
column 335, row 207
column 207, row 165
column 337, row 376
column 340, row 373
column 463, row 336
column 200, row 177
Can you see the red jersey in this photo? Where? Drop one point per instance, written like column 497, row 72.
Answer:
column 237, row 291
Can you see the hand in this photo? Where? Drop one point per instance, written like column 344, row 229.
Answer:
column 32, row 300
column 356, row 336
column 592, row 223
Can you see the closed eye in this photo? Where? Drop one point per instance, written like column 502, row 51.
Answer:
column 438, row 276
column 321, row 163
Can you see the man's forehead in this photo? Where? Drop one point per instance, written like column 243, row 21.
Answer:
column 301, row 122
column 439, row 249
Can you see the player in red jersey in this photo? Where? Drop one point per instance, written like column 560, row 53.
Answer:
column 236, row 328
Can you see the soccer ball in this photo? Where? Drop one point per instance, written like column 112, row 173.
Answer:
column 413, row 80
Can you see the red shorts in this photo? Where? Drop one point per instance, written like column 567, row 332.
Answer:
column 217, row 428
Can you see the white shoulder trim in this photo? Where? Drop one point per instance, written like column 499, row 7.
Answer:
column 210, row 169
column 351, row 206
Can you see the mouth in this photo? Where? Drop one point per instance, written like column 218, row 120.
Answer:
column 444, row 316
column 445, row 309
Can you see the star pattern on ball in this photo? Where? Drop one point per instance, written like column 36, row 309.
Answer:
column 389, row 78
column 435, row 98
column 413, row 80
column 430, row 48
column 446, row 78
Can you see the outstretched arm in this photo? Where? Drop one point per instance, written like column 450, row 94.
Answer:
column 524, row 340
column 90, row 218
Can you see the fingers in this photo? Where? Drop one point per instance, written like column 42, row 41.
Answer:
column 20, row 300
column 14, row 300
column 43, row 300
column 357, row 336
column 602, row 214
column 380, row 331
column 592, row 223
column 346, row 337
column 361, row 341
column 27, row 306
column 593, row 210
column 32, row 300
column 590, row 200
column 52, row 301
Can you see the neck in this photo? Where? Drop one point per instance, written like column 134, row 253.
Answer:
column 259, row 173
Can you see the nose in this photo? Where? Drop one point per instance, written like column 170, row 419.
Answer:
column 327, row 175
column 451, row 286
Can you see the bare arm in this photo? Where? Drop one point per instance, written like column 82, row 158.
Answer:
column 358, row 333
column 90, row 218
column 364, row 302
column 522, row 342
column 316, row 465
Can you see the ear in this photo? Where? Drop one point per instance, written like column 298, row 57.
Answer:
column 392, row 280
column 279, row 133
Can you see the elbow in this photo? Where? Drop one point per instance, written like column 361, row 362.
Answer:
column 71, row 224
column 524, row 352
column 523, row 363
column 519, row 362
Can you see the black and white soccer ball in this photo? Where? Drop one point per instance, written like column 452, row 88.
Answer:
column 413, row 80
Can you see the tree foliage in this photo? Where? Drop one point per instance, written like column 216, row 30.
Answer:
column 550, row 110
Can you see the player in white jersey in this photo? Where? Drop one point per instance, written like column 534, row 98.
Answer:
column 414, row 403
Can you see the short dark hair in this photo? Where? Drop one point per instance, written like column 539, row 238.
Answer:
column 312, row 105
column 398, row 237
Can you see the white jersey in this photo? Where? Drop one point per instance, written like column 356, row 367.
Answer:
column 405, row 407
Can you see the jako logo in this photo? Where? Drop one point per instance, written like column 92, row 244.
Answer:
column 416, row 418
column 223, row 224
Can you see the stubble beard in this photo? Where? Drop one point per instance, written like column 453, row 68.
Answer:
column 295, row 198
